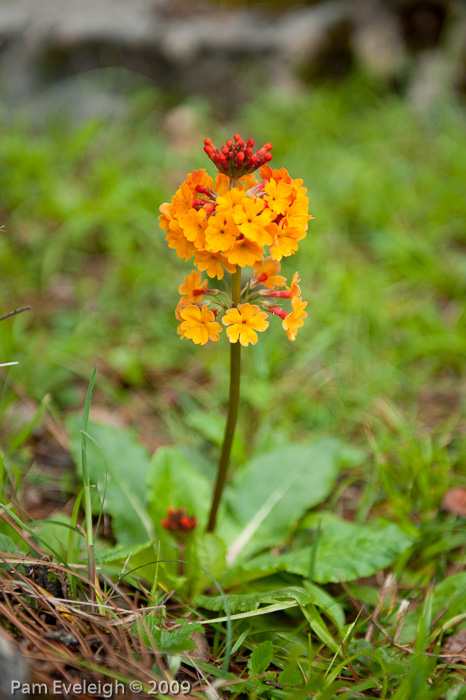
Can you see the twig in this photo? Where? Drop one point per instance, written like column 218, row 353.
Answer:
column 387, row 589
column 14, row 312
column 361, row 609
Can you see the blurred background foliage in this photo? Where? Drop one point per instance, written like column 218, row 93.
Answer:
column 380, row 359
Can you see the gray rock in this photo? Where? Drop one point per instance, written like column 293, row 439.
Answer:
column 13, row 666
column 226, row 53
column 187, row 47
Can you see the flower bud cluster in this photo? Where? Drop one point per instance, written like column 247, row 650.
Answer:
column 178, row 521
column 229, row 224
column 237, row 158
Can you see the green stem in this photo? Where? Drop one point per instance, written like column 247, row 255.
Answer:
column 87, row 489
column 235, row 375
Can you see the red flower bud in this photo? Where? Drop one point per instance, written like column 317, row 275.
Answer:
column 197, row 203
column 237, row 158
column 209, row 208
column 285, row 294
column 178, row 521
column 278, row 311
column 260, row 278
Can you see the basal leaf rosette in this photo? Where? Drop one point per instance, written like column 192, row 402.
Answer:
column 250, row 216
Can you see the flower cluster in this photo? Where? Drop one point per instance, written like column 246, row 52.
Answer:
column 178, row 521
column 228, row 225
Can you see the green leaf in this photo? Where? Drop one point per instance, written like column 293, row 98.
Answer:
column 393, row 663
column 7, row 545
column 260, row 659
column 361, row 649
column 268, row 496
column 173, row 482
column 208, row 551
column 450, row 597
column 118, row 467
column 346, row 551
column 174, row 641
column 244, row 603
column 291, row 675
column 326, row 603
column 239, row 642
column 318, row 626
column 140, row 562
column 209, row 425
column 54, row 533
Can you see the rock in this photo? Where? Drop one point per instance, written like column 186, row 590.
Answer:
column 454, row 501
column 377, row 38
column 182, row 128
column 202, row 649
column 13, row 665
column 85, row 56
column 455, row 648
column 223, row 53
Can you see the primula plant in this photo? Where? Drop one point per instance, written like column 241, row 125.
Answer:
column 242, row 223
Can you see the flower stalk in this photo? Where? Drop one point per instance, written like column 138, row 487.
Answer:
column 233, row 403
column 227, row 224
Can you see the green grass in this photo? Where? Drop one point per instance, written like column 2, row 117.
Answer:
column 379, row 363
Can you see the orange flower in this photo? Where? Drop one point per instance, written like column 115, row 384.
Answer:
column 199, row 177
column 289, row 293
column 199, row 324
column 165, row 217
column 181, row 200
column 267, row 173
column 278, row 196
column 194, row 226
column 221, row 232
column 266, row 273
column 244, row 252
column 295, row 290
column 243, row 322
column 193, row 288
column 252, row 218
column 227, row 201
column 179, row 307
column 177, row 240
column 222, row 183
column 212, row 263
column 297, row 215
column 285, row 240
column 294, row 320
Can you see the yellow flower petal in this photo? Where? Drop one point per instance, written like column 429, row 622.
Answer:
column 199, row 324
column 243, row 322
